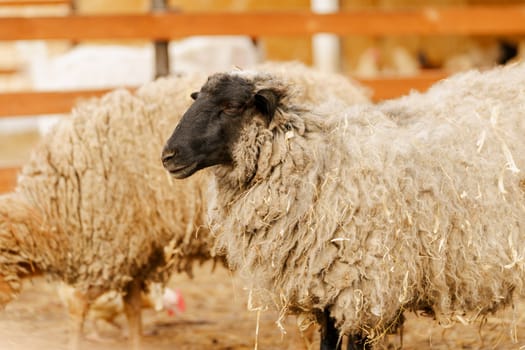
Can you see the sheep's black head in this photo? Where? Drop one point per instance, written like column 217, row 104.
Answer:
column 209, row 129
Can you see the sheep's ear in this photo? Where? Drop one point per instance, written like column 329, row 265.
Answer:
column 194, row 95
column 266, row 101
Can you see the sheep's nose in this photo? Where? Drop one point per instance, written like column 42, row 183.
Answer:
column 167, row 155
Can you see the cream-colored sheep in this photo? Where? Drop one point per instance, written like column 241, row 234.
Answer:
column 414, row 204
column 94, row 208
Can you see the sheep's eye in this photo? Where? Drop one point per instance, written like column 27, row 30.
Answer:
column 231, row 109
column 194, row 95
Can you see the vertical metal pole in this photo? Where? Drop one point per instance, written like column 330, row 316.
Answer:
column 162, row 59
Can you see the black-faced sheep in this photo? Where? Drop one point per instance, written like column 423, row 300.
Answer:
column 95, row 208
column 414, row 204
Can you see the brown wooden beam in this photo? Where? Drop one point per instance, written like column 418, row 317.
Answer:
column 30, row 103
column 9, row 71
column 8, row 179
column 489, row 20
column 35, row 103
column 390, row 87
column 33, row 2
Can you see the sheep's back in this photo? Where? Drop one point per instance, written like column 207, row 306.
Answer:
column 313, row 86
column 439, row 203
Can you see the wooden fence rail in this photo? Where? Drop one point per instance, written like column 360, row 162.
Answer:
column 49, row 102
column 8, row 179
column 8, row 71
column 11, row 3
column 472, row 20
column 15, row 104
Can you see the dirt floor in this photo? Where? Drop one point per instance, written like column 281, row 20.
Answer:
column 217, row 318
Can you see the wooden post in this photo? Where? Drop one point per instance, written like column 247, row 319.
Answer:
column 162, row 58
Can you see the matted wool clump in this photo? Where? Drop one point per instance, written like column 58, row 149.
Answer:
column 414, row 204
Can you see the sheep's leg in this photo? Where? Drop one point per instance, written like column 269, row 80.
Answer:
column 329, row 334
column 133, row 308
column 357, row 342
column 78, row 307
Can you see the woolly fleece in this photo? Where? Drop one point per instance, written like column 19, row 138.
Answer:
column 414, row 204
column 97, row 186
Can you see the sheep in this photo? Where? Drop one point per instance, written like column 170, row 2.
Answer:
column 94, row 207
column 354, row 216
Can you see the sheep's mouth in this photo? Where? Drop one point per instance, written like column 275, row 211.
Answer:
column 183, row 171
